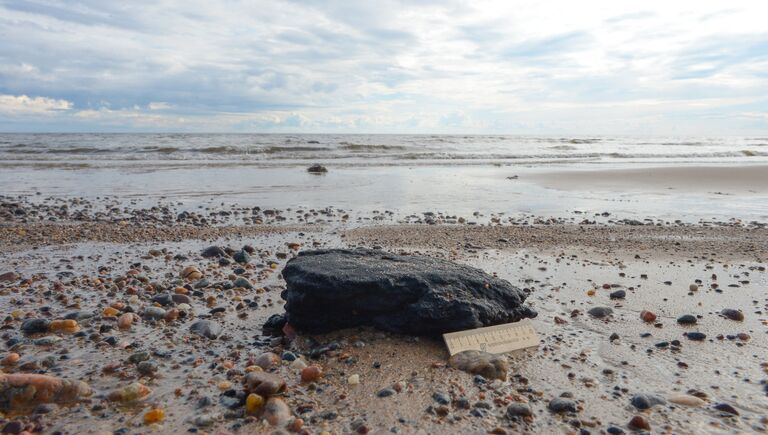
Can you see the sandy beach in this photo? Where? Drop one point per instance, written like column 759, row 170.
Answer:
column 723, row 180
column 98, row 269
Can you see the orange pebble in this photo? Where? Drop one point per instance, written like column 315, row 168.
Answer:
column 11, row 359
column 311, row 374
column 154, row 415
column 109, row 312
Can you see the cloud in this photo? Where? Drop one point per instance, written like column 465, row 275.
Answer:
column 387, row 66
column 23, row 105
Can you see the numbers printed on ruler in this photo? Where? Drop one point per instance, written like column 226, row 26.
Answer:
column 493, row 339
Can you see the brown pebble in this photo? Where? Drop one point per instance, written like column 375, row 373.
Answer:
column 311, row 374
column 647, row 316
column 639, row 422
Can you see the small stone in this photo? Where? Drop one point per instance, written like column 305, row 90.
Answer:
column 191, row 273
column 126, row 320
column 353, row 379
column 69, row 325
column 241, row 257
column 10, row 359
column 154, row 313
column 687, row 319
column 618, row 294
column 130, row 393
column 480, row 363
column 600, row 312
column 519, row 410
column 686, row 400
column 696, row 336
column 267, row 360
column 276, row 412
column 263, row 383
column 298, row 364
column 311, row 374
column 154, row 415
column 385, row 392
column 441, row 398
column 647, row 316
column 726, row 408
column 254, row 403
column 214, row 252
column 732, row 314
column 9, row 277
column 646, row 401
column 206, row 328
column 693, row 287
column 35, row 326
column 639, row 422
column 560, row 405
column 317, row 169
column 243, row 282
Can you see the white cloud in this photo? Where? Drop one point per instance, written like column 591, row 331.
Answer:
column 390, row 65
column 159, row 105
column 22, row 104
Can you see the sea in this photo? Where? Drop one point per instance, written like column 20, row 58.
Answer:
column 405, row 174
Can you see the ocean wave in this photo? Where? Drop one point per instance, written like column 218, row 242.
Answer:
column 369, row 147
column 283, row 149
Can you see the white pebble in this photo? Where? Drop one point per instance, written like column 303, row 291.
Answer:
column 298, row 364
column 354, row 380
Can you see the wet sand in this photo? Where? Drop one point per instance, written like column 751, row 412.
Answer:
column 569, row 268
column 701, row 179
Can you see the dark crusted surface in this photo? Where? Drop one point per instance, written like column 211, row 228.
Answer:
column 334, row 289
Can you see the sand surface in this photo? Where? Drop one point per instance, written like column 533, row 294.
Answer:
column 568, row 268
column 702, row 179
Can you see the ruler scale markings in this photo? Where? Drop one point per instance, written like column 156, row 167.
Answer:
column 495, row 339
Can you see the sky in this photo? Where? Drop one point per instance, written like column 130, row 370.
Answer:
column 385, row 66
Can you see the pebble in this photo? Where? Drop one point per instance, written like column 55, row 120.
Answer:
column 732, row 314
column 130, row 393
column 385, row 392
column 35, row 326
column 353, row 379
column 480, row 363
column 253, row 403
column 206, row 328
column 191, row 273
column 686, row 400
column 263, row 383
column 241, row 257
column 68, row 325
column 696, row 336
column 639, row 422
column 519, row 410
column 693, row 287
column 441, row 398
column 298, row 364
column 687, row 319
column 311, row 374
column 154, row 313
column 10, row 359
column 726, row 408
column 213, row 251
column 125, row 320
column 267, row 360
column 600, row 312
column 618, row 294
column 647, row 316
column 276, row 412
column 243, row 282
column 646, row 401
column 154, row 415
column 560, row 405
